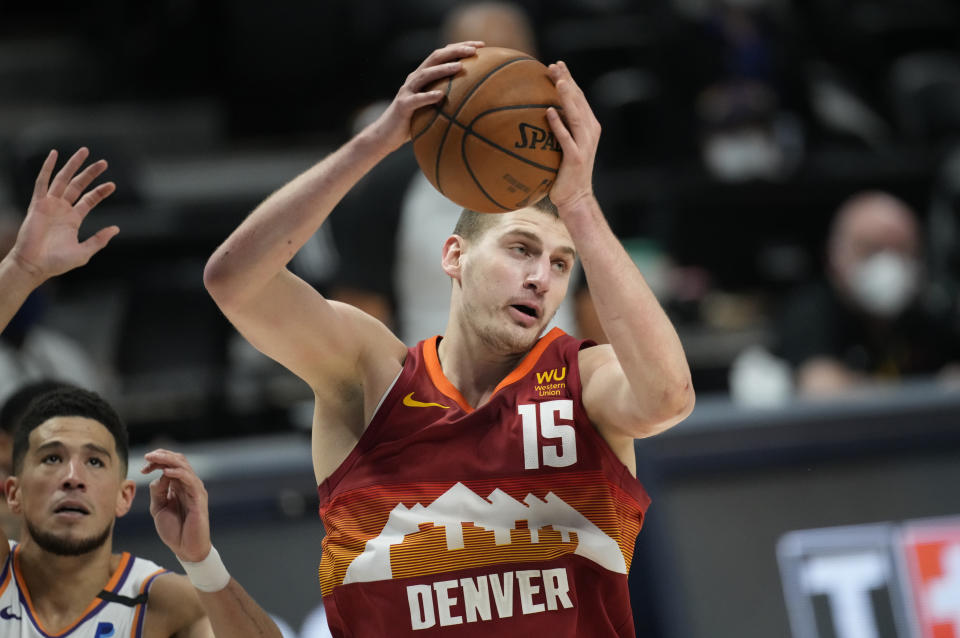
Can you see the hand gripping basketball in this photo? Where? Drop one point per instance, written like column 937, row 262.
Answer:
column 487, row 145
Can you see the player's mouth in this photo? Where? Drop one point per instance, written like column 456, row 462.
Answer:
column 527, row 314
column 71, row 509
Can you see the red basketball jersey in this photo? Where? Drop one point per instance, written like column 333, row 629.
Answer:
column 512, row 519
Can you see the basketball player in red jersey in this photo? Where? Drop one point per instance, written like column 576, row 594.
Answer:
column 481, row 483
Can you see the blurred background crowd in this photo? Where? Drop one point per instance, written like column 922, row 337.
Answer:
column 786, row 174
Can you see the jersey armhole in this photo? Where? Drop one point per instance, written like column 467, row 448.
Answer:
column 370, row 433
column 628, row 482
column 6, row 575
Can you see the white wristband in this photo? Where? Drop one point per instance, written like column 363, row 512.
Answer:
column 209, row 574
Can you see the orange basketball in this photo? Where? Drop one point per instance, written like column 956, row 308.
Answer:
column 487, row 145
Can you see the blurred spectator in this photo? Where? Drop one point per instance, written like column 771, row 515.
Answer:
column 746, row 134
column 402, row 283
column 867, row 322
column 746, row 81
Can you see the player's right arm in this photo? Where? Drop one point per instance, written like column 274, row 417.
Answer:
column 328, row 345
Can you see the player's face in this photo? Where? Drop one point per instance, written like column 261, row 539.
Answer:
column 70, row 488
column 514, row 277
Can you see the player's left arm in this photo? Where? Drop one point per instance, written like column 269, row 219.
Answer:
column 176, row 607
column 178, row 503
column 640, row 383
column 47, row 244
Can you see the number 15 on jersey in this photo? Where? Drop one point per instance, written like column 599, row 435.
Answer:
column 559, row 454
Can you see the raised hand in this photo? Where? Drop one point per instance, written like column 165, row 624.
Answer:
column 48, row 243
column 578, row 133
column 178, row 504
column 394, row 125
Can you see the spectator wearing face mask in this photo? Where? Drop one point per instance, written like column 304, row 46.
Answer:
column 750, row 105
column 866, row 323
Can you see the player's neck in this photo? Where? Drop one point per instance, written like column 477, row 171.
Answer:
column 471, row 366
column 62, row 587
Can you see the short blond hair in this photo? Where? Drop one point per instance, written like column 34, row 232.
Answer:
column 472, row 224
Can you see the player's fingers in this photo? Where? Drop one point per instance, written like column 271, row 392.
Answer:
column 173, row 495
column 94, row 197
column 95, row 243
column 422, row 77
column 158, row 494
column 166, row 458
column 580, row 117
column 79, row 183
column 155, row 460
column 159, row 452
column 569, row 92
column 569, row 77
column 65, row 174
column 452, row 51
column 189, row 482
column 560, row 130
column 186, row 490
column 417, row 100
column 571, row 105
column 43, row 178
column 181, row 473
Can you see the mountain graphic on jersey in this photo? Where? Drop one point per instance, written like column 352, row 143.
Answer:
column 461, row 529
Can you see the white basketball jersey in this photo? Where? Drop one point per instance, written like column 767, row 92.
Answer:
column 117, row 612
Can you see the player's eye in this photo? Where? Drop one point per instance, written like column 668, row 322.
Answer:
column 50, row 459
column 96, row 462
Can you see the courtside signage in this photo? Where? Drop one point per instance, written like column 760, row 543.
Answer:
column 931, row 565
column 880, row 580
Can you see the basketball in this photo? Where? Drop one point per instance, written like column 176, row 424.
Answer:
column 487, row 145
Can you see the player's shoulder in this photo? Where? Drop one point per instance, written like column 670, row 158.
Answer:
column 592, row 358
column 372, row 335
column 376, row 358
column 173, row 606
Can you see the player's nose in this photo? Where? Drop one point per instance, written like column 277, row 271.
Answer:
column 74, row 474
column 538, row 275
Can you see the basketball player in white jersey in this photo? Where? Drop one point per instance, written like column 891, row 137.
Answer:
column 63, row 579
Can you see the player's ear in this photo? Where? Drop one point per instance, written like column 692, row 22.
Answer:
column 452, row 258
column 125, row 494
column 11, row 490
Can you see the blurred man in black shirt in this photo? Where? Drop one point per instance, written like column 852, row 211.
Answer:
column 867, row 322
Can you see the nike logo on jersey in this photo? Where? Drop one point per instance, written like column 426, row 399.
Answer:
column 410, row 402
column 6, row 614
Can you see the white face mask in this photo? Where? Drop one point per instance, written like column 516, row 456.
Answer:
column 742, row 155
column 885, row 283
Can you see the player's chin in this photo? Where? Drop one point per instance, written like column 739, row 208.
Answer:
column 524, row 337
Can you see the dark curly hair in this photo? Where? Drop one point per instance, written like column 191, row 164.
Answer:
column 69, row 401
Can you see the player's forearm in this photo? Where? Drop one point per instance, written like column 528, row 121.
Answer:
column 15, row 286
column 273, row 233
column 234, row 614
column 645, row 342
